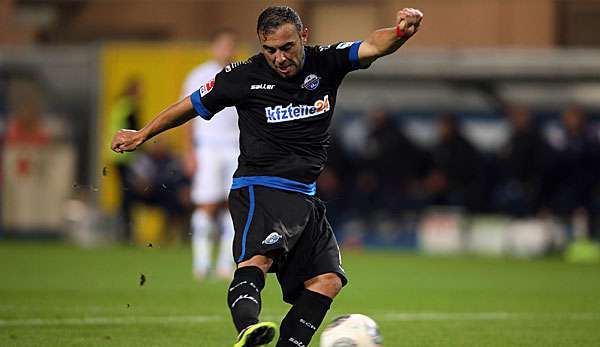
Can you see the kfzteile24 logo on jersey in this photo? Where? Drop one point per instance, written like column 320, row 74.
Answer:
column 288, row 113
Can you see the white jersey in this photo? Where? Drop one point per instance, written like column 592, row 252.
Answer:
column 222, row 130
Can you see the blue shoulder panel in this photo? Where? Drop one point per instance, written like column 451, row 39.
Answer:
column 353, row 54
column 199, row 107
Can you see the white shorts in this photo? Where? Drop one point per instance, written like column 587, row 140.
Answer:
column 214, row 174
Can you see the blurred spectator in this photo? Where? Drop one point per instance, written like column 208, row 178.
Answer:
column 25, row 123
column 389, row 167
column 574, row 175
column 125, row 115
column 157, row 179
column 27, row 163
column 457, row 176
column 25, row 126
column 524, row 161
column 333, row 185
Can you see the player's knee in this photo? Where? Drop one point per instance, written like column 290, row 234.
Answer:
column 262, row 262
column 328, row 284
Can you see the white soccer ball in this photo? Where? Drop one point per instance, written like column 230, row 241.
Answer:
column 354, row 330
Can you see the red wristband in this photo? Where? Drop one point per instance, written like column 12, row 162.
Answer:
column 399, row 32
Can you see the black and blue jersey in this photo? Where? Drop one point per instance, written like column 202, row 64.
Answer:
column 283, row 122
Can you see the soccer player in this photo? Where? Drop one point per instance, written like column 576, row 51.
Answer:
column 212, row 151
column 285, row 97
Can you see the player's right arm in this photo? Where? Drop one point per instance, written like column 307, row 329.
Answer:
column 386, row 41
column 127, row 140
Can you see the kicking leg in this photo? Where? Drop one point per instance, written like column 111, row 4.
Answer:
column 305, row 317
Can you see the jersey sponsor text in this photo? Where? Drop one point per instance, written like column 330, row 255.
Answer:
column 288, row 113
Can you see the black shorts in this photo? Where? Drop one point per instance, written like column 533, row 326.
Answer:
column 289, row 227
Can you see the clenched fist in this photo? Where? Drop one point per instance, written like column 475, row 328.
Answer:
column 408, row 21
column 126, row 140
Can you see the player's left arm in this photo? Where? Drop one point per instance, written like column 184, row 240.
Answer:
column 127, row 140
column 386, row 41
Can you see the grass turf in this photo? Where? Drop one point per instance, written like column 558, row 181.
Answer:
column 58, row 295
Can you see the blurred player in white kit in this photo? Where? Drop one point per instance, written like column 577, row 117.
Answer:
column 211, row 159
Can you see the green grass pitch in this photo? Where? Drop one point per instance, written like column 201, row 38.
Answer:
column 58, row 295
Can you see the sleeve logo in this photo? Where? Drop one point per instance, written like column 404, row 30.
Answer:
column 232, row 66
column 288, row 113
column 207, row 87
column 343, row 45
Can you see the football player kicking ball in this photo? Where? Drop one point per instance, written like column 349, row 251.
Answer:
column 285, row 97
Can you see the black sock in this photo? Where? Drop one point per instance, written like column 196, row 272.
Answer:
column 243, row 296
column 303, row 319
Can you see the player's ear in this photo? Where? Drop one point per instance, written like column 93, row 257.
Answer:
column 304, row 35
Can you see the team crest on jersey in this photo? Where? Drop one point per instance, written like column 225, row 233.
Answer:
column 272, row 238
column 288, row 113
column 311, row 82
column 207, row 87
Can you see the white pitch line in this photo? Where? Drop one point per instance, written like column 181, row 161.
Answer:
column 111, row 320
column 383, row 317
column 432, row 316
column 482, row 316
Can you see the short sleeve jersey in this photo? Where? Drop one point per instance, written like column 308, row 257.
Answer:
column 283, row 122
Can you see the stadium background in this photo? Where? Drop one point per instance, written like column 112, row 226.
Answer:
column 472, row 58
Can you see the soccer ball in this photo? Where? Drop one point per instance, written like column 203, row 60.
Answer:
column 354, row 330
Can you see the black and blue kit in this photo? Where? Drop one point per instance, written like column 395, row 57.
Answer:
column 284, row 137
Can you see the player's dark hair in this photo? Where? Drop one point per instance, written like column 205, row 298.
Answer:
column 273, row 17
column 215, row 35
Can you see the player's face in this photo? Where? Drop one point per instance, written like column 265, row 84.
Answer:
column 284, row 49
